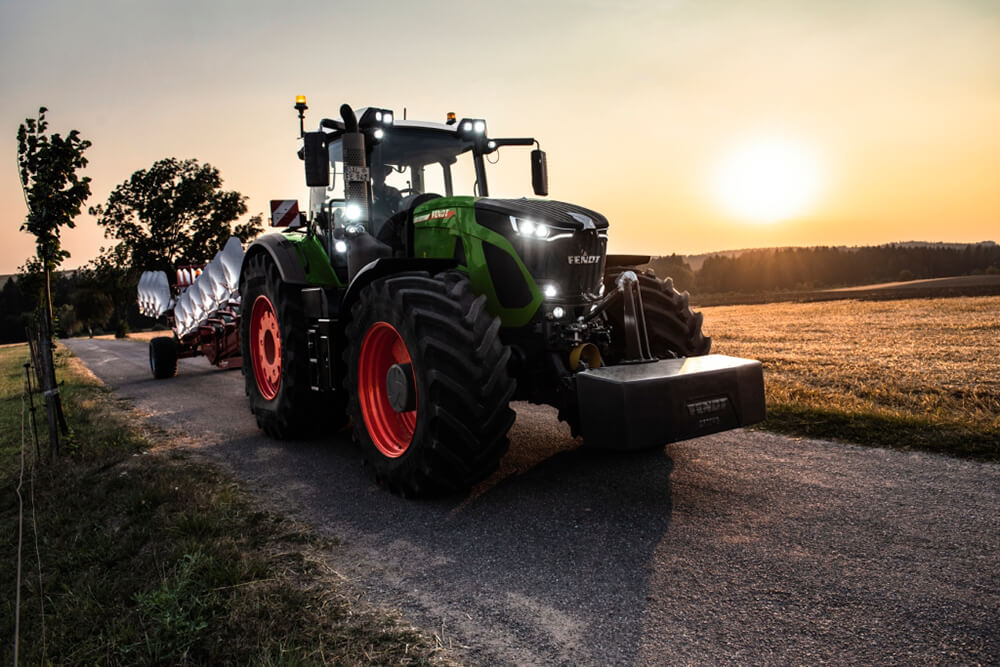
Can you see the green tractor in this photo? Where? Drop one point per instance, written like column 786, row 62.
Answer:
column 413, row 305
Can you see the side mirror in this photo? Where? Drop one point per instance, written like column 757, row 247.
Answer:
column 539, row 173
column 317, row 159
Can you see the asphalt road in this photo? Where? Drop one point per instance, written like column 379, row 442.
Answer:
column 740, row 548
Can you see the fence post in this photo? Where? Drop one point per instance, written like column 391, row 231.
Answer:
column 31, row 408
column 48, row 382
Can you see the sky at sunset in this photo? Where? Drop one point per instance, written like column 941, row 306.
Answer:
column 866, row 122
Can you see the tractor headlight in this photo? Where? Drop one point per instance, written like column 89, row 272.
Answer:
column 352, row 212
column 531, row 229
column 550, row 291
column 340, row 246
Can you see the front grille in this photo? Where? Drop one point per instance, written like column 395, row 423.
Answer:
column 566, row 262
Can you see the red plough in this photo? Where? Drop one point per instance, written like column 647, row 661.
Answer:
column 202, row 309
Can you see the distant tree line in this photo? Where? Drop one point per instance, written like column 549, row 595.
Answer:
column 824, row 267
column 77, row 304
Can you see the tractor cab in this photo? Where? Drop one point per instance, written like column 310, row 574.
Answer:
column 410, row 159
column 394, row 161
column 369, row 173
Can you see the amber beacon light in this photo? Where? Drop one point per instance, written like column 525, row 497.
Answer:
column 300, row 106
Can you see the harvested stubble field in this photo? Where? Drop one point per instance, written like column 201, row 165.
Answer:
column 913, row 373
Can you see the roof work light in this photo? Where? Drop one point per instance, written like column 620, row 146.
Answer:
column 373, row 117
column 472, row 128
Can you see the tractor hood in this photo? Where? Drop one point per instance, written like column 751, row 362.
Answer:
column 560, row 214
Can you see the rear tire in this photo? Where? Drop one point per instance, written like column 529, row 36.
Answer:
column 457, row 432
column 275, row 356
column 674, row 329
column 163, row 357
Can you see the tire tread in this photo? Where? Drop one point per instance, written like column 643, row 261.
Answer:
column 462, row 431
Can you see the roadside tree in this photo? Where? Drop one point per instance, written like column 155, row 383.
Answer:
column 175, row 212
column 53, row 191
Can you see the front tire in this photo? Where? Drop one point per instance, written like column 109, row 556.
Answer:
column 275, row 357
column 674, row 329
column 456, row 383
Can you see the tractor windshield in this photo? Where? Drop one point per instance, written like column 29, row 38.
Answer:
column 415, row 160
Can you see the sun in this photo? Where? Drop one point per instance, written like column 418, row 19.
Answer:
column 768, row 180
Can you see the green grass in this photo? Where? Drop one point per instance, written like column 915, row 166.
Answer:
column 151, row 557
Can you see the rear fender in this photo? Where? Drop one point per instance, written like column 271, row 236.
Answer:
column 282, row 252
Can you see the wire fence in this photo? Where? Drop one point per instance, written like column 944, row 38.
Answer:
column 28, row 419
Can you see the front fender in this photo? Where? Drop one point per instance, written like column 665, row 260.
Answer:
column 387, row 266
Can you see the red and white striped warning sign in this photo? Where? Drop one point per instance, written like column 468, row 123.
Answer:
column 284, row 212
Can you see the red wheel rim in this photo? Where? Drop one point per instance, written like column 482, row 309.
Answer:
column 265, row 347
column 391, row 431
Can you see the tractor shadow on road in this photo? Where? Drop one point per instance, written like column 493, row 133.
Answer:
column 558, row 545
column 573, row 537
